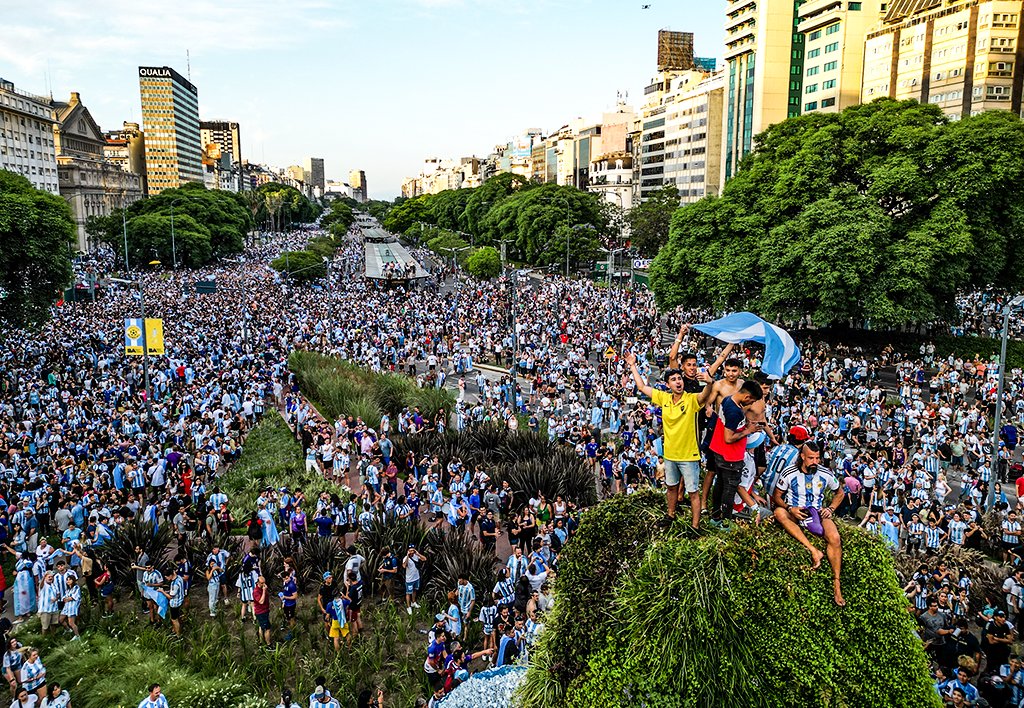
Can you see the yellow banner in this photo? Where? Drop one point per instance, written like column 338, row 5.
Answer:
column 155, row 336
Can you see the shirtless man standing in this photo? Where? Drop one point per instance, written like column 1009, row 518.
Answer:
column 722, row 389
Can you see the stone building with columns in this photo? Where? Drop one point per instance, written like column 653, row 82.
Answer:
column 92, row 184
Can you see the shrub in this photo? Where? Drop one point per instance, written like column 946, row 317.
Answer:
column 527, row 461
column 732, row 619
column 119, row 551
column 340, row 388
column 272, row 457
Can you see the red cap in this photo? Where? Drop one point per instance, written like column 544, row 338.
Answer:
column 799, row 432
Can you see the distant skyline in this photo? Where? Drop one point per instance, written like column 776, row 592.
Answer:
column 376, row 86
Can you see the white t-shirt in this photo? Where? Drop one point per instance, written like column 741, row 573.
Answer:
column 412, row 572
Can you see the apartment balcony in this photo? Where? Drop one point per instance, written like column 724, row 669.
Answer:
column 735, row 47
column 815, row 14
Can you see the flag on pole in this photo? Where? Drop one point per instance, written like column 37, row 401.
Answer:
column 780, row 351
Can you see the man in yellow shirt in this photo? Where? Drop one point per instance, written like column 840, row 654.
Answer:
column 679, row 411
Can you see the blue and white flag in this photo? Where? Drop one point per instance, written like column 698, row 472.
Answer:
column 780, row 351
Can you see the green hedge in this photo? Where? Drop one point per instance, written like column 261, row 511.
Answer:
column 272, row 458
column 733, row 619
column 102, row 671
column 340, row 388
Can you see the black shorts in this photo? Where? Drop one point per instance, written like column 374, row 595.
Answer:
column 289, row 612
column 174, row 612
column 263, row 620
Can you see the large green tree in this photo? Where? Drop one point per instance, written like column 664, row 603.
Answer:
column 877, row 215
column 300, row 265
column 649, row 220
column 213, row 221
column 294, row 208
column 36, row 231
column 149, row 238
column 531, row 218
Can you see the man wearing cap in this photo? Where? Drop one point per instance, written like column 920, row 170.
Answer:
column 412, row 577
column 321, row 698
column 324, row 598
column 996, row 639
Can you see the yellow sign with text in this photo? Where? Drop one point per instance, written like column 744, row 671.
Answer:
column 155, row 336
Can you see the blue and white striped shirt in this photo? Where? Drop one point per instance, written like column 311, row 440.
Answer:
column 801, row 489
column 1011, row 531
column 779, row 459
column 957, row 530
column 177, row 592
column 49, row 598
column 932, row 536
column 72, row 601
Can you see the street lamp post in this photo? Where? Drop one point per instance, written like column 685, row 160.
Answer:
column 1015, row 302
column 124, row 227
column 174, row 249
column 145, row 344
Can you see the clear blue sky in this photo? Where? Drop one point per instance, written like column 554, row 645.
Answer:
column 375, row 85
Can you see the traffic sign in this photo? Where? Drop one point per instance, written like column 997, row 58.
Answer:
column 609, row 353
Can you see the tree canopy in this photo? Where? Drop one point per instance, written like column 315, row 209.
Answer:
column 36, row 232
column 484, row 263
column 876, row 215
column 649, row 220
column 534, row 218
column 284, row 205
column 208, row 223
column 300, row 265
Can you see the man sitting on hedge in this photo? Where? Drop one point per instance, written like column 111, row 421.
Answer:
column 799, row 504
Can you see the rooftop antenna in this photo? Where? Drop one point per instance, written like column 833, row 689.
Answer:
column 188, row 65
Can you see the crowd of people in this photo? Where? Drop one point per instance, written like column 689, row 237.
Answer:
column 87, row 446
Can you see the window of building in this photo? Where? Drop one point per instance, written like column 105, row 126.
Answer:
column 831, row 83
column 828, row 102
column 797, row 54
column 834, row 46
column 812, row 70
column 816, row 34
column 830, row 65
column 811, row 88
column 832, row 29
column 855, row 6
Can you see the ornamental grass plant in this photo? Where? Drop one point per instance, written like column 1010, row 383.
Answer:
column 733, row 619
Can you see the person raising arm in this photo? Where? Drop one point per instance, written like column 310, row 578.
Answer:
column 679, row 411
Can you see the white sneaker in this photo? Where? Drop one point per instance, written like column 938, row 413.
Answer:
column 416, row 605
column 409, row 610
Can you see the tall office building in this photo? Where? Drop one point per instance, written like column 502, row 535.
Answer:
column 315, row 173
column 170, row 119
column 225, row 135
column 961, row 55
column 26, row 137
column 357, row 179
column 834, row 32
column 764, row 54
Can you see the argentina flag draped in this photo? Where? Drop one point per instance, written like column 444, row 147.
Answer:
column 780, row 351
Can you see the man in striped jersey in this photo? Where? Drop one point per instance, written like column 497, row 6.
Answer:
column 1011, row 535
column 783, row 456
column 800, row 503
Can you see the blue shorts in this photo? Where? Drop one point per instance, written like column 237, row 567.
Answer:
column 687, row 472
column 412, row 587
